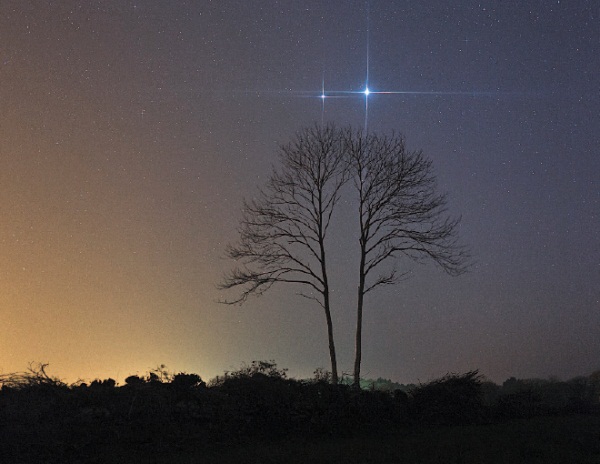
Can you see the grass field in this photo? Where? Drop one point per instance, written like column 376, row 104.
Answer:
column 543, row 440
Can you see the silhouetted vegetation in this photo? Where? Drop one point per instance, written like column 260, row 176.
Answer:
column 45, row 419
column 451, row 400
column 284, row 228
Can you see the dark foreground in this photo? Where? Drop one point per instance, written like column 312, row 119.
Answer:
column 257, row 415
column 543, row 440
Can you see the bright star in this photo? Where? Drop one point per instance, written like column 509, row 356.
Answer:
column 367, row 92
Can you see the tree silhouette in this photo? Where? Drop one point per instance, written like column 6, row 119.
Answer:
column 284, row 229
column 400, row 215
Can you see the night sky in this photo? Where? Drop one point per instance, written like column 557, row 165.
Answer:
column 131, row 131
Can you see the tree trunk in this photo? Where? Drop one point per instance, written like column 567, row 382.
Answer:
column 334, row 373
column 359, row 313
column 326, row 304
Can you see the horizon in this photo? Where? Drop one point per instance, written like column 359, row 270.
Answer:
column 345, row 378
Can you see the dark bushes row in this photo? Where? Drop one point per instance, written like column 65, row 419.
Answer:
column 259, row 401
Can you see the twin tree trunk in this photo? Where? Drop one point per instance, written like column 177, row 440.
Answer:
column 284, row 230
column 359, row 315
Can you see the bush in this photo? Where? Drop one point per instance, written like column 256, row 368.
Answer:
column 258, row 400
column 183, row 381
column 451, row 400
column 522, row 404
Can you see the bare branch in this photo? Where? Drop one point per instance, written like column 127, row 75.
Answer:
column 400, row 214
column 283, row 229
column 311, row 297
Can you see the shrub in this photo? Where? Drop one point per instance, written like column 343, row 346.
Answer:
column 134, row 380
column 35, row 376
column 455, row 399
column 183, row 381
column 518, row 405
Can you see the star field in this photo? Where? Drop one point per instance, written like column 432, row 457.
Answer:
column 131, row 131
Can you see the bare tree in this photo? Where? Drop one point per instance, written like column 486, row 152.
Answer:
column 400, row 215
column 284, row 229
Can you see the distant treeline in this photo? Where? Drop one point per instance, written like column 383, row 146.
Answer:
column 41, row 414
